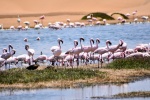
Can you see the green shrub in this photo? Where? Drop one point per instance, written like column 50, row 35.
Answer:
column 131, row 63
column 124, row 16
column 99, row 15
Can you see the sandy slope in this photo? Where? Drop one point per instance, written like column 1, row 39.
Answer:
column 60, row 10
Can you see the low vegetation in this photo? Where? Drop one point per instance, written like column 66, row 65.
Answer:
column 127, row 95
column 61, row 77
column 99, row 15
column 123, row 16
column 131, row 63
column 25, row 76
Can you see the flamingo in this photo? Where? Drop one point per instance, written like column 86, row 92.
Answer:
column 101, row 51
column 117, row 55
column 38, row 38
column 96, row 46
column 24, row 58
column 51, row 59
column 138, row 54
column 2, row 62
column 41, row 58
column 57, row 49
column 6, row 54
column 88, row 49
column 18, row 20
column 113, row 48
column 42, row 18
column 30, row 53
column 123, row 47
column 85, row 49
column 69, row 58
column 11, row 60
column 25, row 40
column 73, row 51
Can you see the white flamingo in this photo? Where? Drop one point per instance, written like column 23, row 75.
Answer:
column 11, row 60
column 30, row 53
column 24, row 58
column 56, row 50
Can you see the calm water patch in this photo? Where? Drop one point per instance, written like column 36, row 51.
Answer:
column 84, row 93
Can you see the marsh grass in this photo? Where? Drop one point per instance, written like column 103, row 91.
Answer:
column 26, row 76
column 133, row 94
column 99, row 15
column 126, row 95
column 131, row 63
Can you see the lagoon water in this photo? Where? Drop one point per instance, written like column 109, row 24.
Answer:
column 83, row 93
column 132, row 34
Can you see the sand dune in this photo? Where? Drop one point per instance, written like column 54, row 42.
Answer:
column 60, row 10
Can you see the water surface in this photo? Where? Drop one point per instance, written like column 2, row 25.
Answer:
column 83, row 93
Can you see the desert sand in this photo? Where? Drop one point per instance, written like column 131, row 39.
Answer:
column 60, row 10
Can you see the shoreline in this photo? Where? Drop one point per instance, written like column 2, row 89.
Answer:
column 11, row 20
column 119, row 77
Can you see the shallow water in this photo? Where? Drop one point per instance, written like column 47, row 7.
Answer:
column 132, row 34
column 84, row 93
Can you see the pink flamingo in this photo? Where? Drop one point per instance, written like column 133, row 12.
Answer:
column 72, row 52
column 69, row 59
column 101, row 51
column 123, row 47
column 113, row 48
column 77, row 50
column 41, row 58
column 6, row 55
column 87, row 49
column 117, row 55
column 138, row 54
column 94, row 47
column 42, row 18
column 30, row 53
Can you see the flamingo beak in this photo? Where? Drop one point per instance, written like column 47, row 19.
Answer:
column 61, row 41
column 121, row 42
column 81, row 39
column 93, row 41
column 26, row 47
column 98, row 40
column 10, row 46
